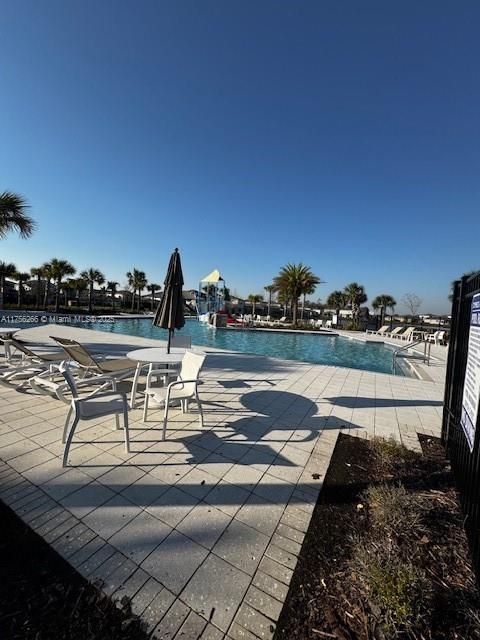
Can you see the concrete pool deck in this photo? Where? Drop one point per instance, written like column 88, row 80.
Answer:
column 201, row 531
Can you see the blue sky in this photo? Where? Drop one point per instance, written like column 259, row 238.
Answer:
column 249, row 134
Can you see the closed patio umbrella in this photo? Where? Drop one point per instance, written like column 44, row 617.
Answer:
column 170, row 310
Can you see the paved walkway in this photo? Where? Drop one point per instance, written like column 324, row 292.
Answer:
column 201, row 531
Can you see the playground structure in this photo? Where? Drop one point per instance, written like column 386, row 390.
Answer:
column 212, row 296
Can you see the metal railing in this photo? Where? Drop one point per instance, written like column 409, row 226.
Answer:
column 425, row 358
column 465, row 462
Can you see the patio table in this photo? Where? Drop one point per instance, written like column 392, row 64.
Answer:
column 152, row 356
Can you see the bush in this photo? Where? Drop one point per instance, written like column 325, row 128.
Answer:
column 393, row 511
column 398, row 590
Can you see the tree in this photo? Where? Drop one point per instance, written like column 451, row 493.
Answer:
column 21, row 278
column 58, row 270
column 47, row 275
column 270, row 289
column 112, row 287
column 13, row 216
column 383, row 302
column 137, row 281
column 337, row 300
column 152, row 287
column 92, row 276
column 356, row 296
column 36, row 272
column 412, row 302
column 7, row 270
column 293, row 281
column 254, row 298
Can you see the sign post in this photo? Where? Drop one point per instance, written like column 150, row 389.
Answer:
column 471, row 387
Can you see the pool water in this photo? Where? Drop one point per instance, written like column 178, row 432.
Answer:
column 316, row 348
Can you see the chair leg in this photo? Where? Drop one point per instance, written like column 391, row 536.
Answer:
column 69, row 441
column 165, row 418
column 200, row 410
column 127, row 433
column 65, row 428
column 145, row 407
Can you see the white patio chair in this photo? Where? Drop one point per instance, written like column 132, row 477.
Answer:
column 379, row 332
column 183, row 389
column 407, row 334
column 91, row 406
column 183, row 342
column 328, row 324
column 395, row 333
column 437, row 337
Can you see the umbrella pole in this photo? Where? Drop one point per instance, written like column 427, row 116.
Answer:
column 170, row 331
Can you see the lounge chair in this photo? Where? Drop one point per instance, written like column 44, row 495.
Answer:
column 394, row 333
column 407, row 334
column 32, row 362
column 328, row 324
column 318, row 324
column 90, row 407
column 380, row 332
column 117, row 368
column 183, row 389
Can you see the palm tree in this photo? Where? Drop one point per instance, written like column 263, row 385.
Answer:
column 254, row 298
column 141, row 284
column 355, row 295
column 152, row 287
column 293, row 281
column 21, row 278
column 13, row 215
column 7, row 270
column 47, row 275
column 58, row 270
column 270, row 289
column 92, row 276
column 336, row 300
column 112, row 287
column 383, row 302
column 36, row 272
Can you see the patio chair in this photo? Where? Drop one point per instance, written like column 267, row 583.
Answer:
column 183, row 342
column 90, row 407
column 407, row 334
column 182, row 389
column 31, row 361
column 394, row 333
column 380, row 332
column 437, row 337
column 328, row 324
column 115, row 368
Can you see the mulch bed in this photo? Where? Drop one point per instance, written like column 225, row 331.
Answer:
column 43, row 598
column 327, row 597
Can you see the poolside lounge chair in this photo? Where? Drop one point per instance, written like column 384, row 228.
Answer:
column 114, row 368
column 328, row 324
column 30, row 362
column 183, row 389
column 394, row 333
column 380, row 332
column 407, row 334
column 90, row 407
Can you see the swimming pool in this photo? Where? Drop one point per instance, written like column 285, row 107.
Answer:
column 319, row 349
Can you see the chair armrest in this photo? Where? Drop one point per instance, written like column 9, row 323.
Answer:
column 156, row 372
column 177, row 382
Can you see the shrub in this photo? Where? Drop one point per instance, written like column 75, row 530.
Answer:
column 393, row 511
column 398, row 590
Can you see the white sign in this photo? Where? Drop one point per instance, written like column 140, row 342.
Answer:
column 471, row 388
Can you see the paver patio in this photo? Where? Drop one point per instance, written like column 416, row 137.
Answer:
column 201, row 531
